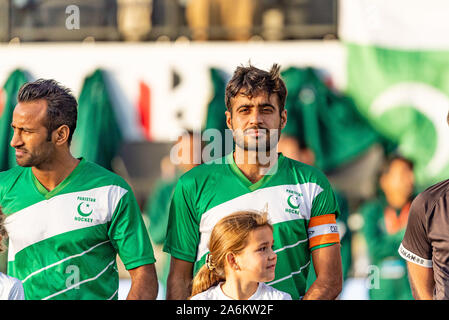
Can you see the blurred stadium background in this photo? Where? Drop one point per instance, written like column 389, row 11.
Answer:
column 366, row 79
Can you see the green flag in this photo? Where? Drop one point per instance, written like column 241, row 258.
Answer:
column 216, row 118
column 97, row 136
column 398, row 67
column 8, row 101
column 324, row 120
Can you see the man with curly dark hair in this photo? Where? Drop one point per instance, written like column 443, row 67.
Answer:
column 301, row 203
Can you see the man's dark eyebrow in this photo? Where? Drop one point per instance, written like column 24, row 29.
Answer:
column 266, row 104
column 245, row 106
column 22, row 128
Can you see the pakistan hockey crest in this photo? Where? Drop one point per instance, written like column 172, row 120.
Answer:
column 293, row 201
column 84, row 209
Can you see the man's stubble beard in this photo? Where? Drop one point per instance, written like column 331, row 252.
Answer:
column 269, row 140
column 36, row 160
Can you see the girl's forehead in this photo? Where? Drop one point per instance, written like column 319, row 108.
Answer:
column 260, row 234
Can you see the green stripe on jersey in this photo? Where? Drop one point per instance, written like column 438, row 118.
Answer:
column 293, row 194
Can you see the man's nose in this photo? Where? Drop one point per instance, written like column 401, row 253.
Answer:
column 16, row 140
column 255, row 117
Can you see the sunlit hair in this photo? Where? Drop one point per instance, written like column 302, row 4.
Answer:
column 251, row 81
column 3, row 233
column 230, row 235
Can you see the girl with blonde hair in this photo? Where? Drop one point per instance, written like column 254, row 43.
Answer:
column 241, row 259
column 10, row 288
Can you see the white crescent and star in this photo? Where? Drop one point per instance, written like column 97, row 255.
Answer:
column 428, row 100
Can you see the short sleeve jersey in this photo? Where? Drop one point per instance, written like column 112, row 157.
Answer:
column 426, row 239
column 63, row 243
column 300, row 202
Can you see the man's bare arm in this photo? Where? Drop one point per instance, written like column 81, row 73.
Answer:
column 329, row 277
column 179, row 282
column 421, row 281
column 144, row 284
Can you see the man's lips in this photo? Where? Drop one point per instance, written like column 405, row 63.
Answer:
column 255, row 132
column 20, row 152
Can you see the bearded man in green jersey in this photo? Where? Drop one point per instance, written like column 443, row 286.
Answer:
column 298, row 198
column 67, row 218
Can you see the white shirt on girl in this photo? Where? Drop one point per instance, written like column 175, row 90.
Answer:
column 263, row 292
column 10, row 288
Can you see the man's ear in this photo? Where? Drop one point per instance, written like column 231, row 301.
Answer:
column 283, row 118
column 61, row 135
column 228, row 119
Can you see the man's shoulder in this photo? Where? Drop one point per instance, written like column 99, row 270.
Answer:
column 428, row 198
column 12, row 173
column 9, row 177
column 304, row 171
column 102, row 176
column 436, row 190
column 298, row 165
column 204, row 171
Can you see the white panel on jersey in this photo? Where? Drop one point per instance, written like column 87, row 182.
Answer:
column 283, row 203
column 330, row 228
column 60, row 214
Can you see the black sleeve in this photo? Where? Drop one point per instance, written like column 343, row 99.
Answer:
column 415, row 246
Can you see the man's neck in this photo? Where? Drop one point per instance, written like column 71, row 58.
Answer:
column 254, row 165
column 50, row 175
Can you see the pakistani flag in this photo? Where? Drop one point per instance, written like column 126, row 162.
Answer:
column 398, row 75
column 216, row 118
column 8, row 100
column 97, row 137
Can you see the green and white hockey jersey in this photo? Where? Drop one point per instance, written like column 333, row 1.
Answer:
column 301, row 206
column 63, row 243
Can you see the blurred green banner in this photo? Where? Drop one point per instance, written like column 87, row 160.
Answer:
column 97, row 137
column 8, row 101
